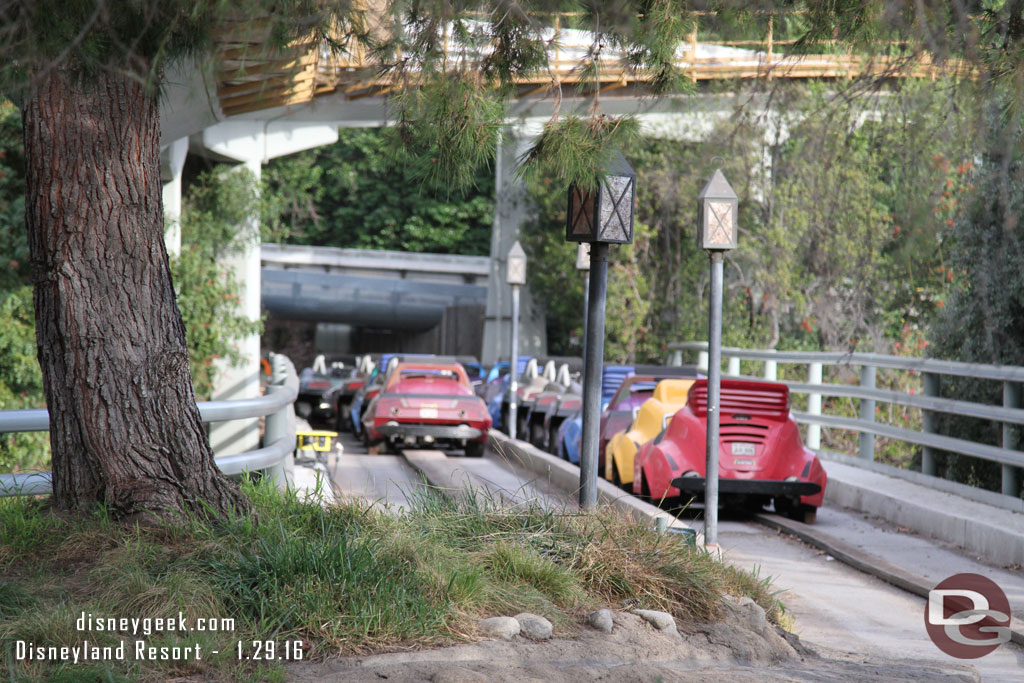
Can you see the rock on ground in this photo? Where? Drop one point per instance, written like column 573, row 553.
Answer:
column 601, row 620
column 749, row 614
column 505, row 628
column 723, row 651
column 533, row 626
column 663, row 621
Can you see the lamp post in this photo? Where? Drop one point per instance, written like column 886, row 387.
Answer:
column 515, row 275
column 583, row 265
column 716, row 234
column 600, row 217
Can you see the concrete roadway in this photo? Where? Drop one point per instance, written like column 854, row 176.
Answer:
column 835, row 609
column 839, row 609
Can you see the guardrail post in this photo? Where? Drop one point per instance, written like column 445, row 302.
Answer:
column 867, row 412
column 276, row 425
column 814, row 406
column 734, row 367
column 931, row 388
column 702, row 361
column 771, row 370
column 677, row 358
column 1011, row 474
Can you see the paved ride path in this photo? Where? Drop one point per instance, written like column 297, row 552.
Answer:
column 841, row 609
column 836, row 609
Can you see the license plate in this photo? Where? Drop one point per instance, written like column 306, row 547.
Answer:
column 428, row 412
column 743, row 449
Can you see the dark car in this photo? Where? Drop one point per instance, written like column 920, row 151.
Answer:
column 315, row 383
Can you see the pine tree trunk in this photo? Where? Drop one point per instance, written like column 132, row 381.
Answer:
column 124, row 426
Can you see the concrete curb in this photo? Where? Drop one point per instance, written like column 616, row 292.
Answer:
column 566, row 476
column 991, row 532
column 865, row 562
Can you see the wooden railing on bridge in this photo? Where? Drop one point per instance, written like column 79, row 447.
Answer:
column 249, row 78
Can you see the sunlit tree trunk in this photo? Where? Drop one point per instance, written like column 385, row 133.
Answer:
column 124, row 425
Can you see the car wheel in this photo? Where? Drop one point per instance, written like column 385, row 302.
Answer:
column 537, row 434
column 553, row 440
column 645, row 490
column 475, row 449
column 616, row 479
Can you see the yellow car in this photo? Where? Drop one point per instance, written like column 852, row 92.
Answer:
column 669, row 396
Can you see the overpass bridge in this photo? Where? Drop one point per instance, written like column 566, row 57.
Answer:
column 260, row 105
column 364, row 300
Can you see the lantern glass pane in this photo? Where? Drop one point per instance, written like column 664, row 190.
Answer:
column 616, row 207
column 516, row 271
column 720, row 225
column 583, row 211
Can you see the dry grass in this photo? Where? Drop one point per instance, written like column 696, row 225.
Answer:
column 344, row 579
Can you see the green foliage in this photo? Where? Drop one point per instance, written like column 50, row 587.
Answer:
column 574, row 151
column 21, row 382
column 982, row 320
column 842, row 235
column 216, row 212
column 344, row 579
column 446, row 129
column 290, row 193
column 361, row 197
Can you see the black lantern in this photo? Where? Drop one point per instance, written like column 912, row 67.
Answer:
column 605, row 214
column 716, row 215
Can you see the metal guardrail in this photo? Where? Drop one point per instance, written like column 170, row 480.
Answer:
column 1009, row 414
column 278, row 436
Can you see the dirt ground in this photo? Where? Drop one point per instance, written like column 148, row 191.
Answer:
column 634, row 651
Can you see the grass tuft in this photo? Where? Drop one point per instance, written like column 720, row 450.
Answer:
column 347, row 578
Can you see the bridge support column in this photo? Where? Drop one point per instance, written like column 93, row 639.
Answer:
column 171, row 166
column 242, row 381
column 511, row 210
column 252, row 143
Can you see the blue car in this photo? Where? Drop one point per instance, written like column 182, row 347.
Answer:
column 570, row 433
column 497, row 388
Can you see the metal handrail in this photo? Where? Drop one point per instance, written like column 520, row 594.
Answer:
column 279, row 434
column 1010, row 373
column 1010, row 414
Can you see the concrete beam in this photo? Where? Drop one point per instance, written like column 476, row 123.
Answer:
column 172, row 162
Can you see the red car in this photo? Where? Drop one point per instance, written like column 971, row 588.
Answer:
column 432, row 405
column 760, row 457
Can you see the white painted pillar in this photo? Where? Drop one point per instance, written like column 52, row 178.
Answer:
column 173, row 163
column 252, row 143
column 242, row 381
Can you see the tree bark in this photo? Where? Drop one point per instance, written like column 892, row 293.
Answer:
column 124, row 426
